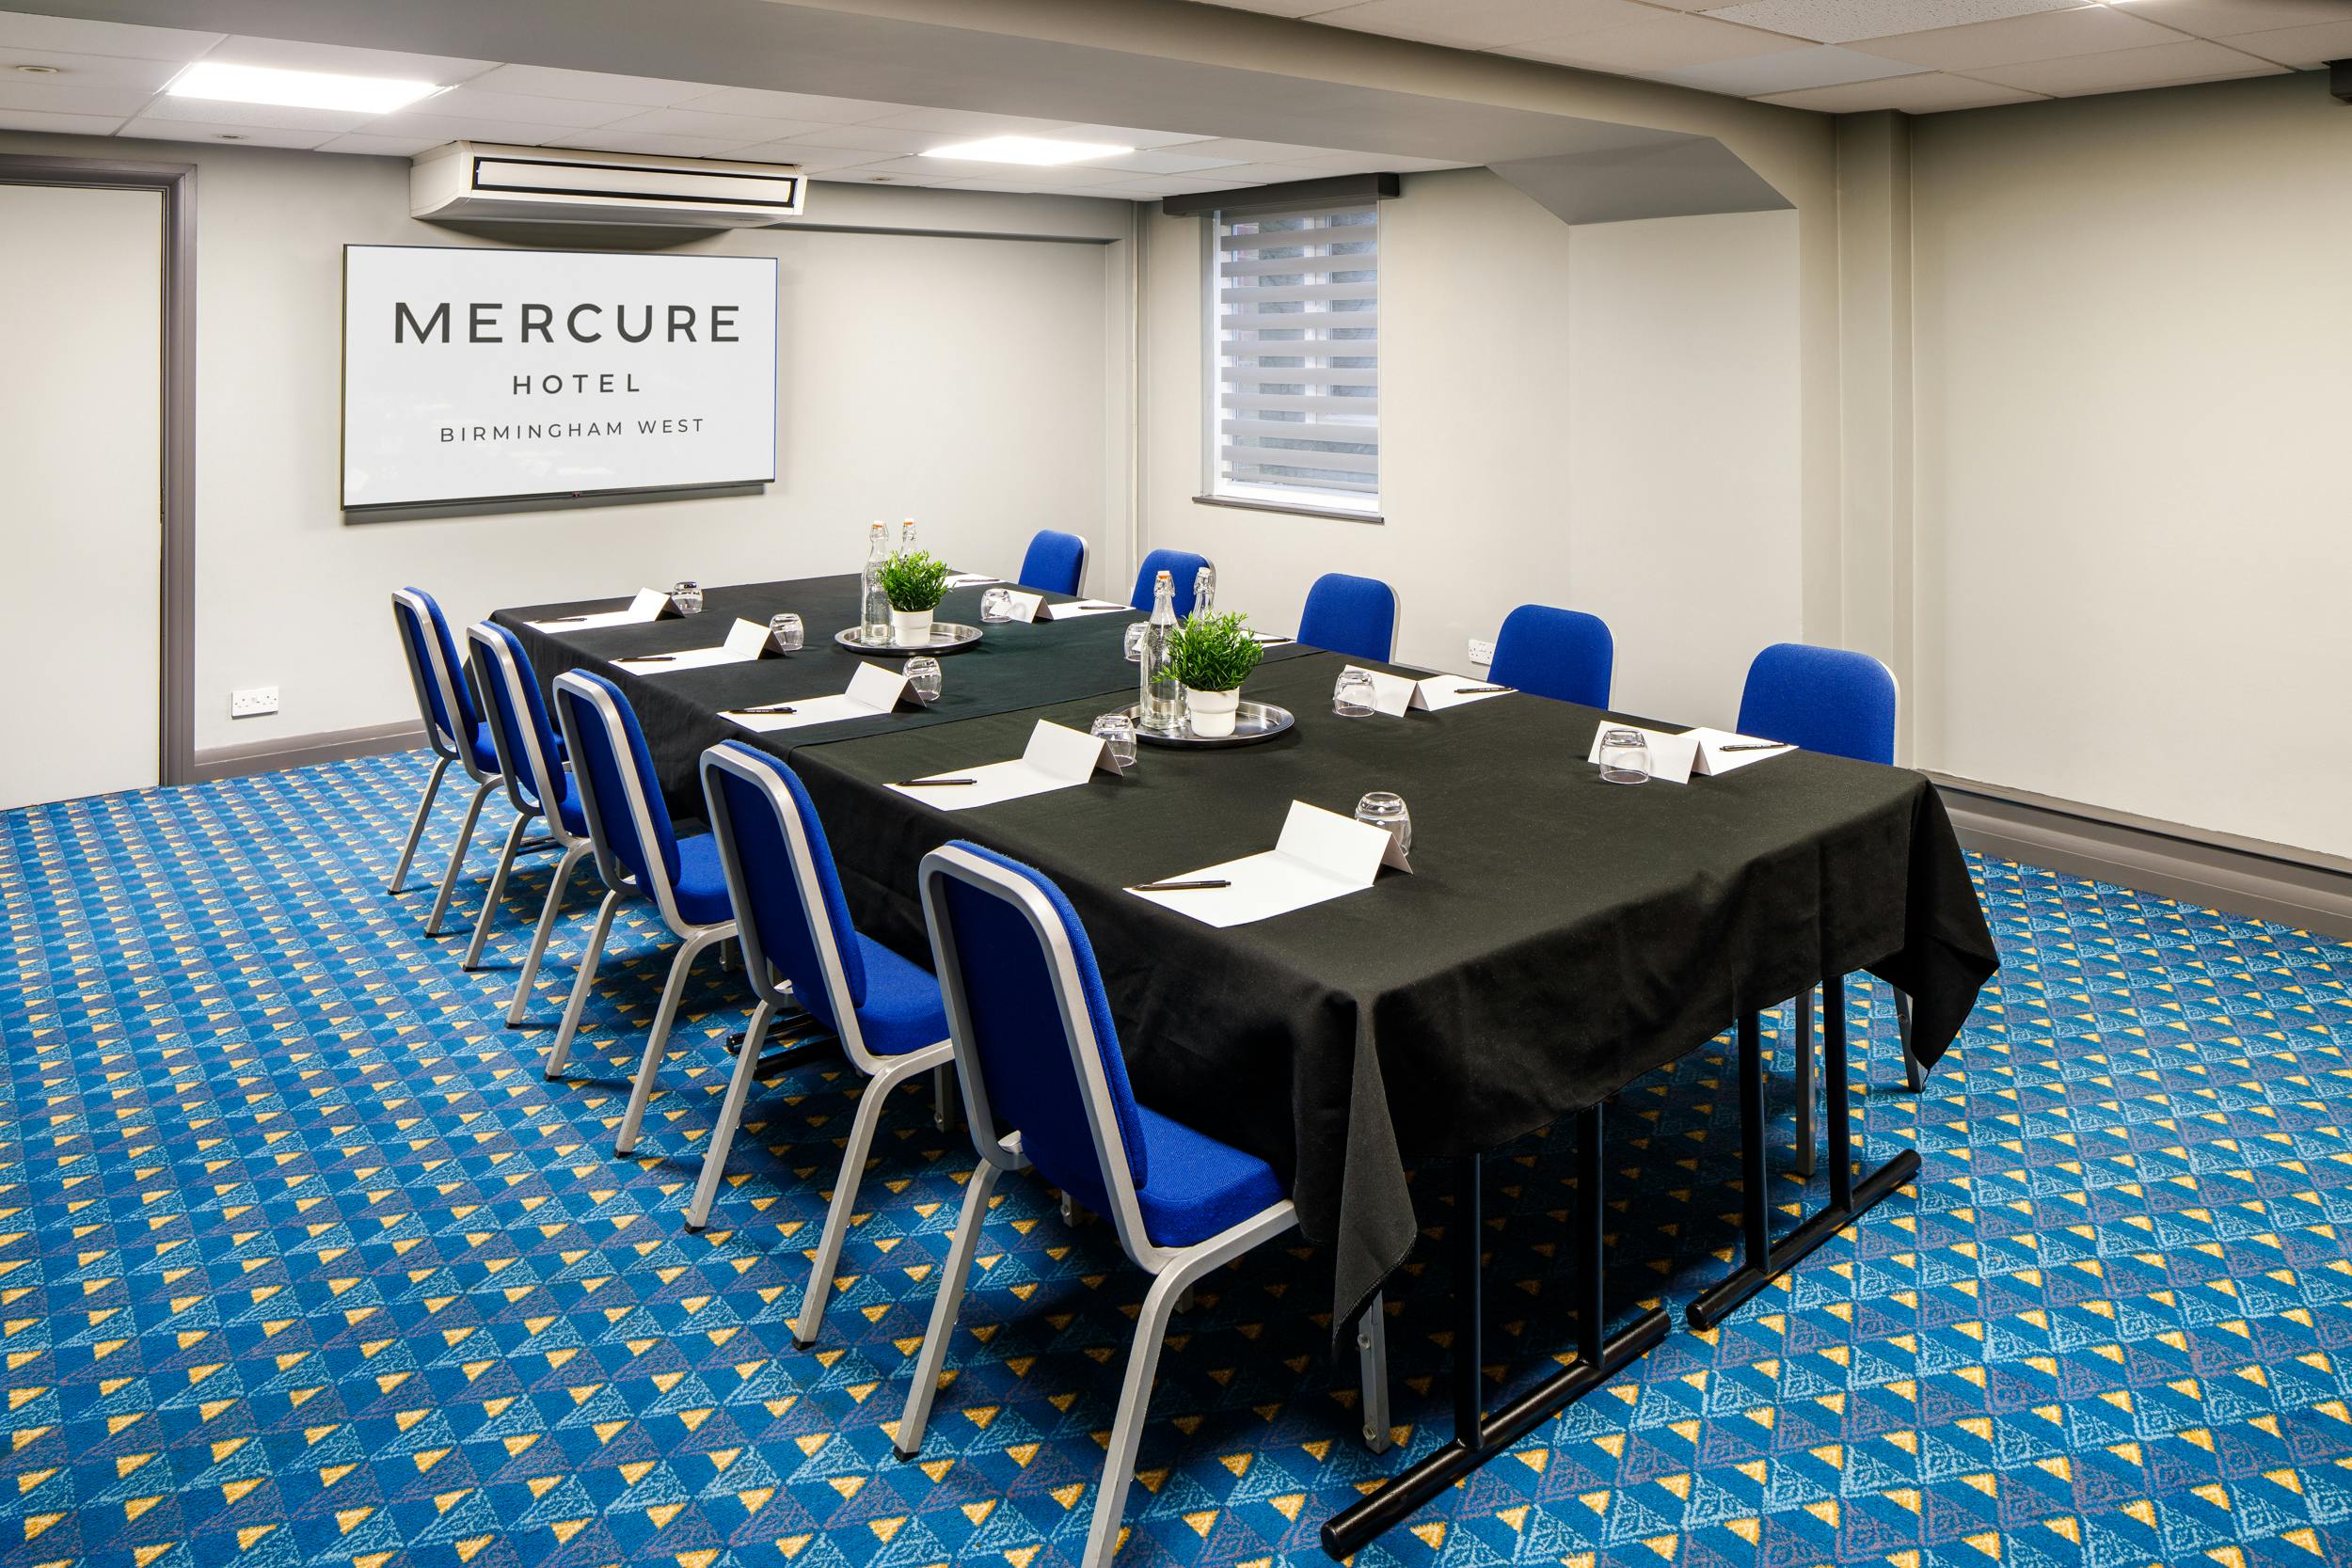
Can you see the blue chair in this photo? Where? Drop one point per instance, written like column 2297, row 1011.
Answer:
column 1350, row 615
column 1044, row 1086
column 1842, row 703
column 1056, row 563
column 1182, row 565
column 452, row 727
column 533, row 762
column 639, row 855
column 1563, row 654
column 799, row 948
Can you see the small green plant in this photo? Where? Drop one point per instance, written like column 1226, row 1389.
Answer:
column 1214, row 651
column 914, row 579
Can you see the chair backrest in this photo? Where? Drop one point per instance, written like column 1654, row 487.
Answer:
column 619, row 794
column 1034, row 1042
column 1562, row 654
column 1182, row 565
column 442, row 701
column 1350, row 615
column 1832, row 699
column 519, row 727
column 789, row 910
column 1056, row 563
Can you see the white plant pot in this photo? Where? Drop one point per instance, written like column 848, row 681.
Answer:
column 1211, row 712
column 910, row 626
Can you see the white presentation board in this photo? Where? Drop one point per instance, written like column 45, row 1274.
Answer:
column 480, row 374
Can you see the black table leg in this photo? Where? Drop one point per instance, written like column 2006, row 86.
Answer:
column 1762, row 1263
column 1479, row 1435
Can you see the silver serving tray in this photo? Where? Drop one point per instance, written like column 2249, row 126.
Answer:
column 947, row 637
column 1253, row 725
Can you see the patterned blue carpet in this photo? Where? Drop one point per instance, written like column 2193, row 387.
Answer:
column 302, row 1262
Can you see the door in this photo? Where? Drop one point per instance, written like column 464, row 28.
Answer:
column 81, row 505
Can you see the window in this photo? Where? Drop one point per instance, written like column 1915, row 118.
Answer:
column 1294, row 414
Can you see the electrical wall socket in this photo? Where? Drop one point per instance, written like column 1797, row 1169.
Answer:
column 1480, row 651
column 253, row 703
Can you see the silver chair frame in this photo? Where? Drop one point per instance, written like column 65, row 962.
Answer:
column 525, row 770
column 884, row 1073
column 447, row 747
column 1174, row 1270
column 620, row 882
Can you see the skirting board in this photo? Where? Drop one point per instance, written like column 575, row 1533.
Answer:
column 305, row 751
column 2300, row 888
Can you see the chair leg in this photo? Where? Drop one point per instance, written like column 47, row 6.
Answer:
column 1135, row 1401
column 952, row 1280
column 582, row 982
column 547, row 929
column 1372, row 1351
column 415, row 828
column 943, row 1103
column 1914, row 1074
column 730, row 1117
column 861, row 1146
column 657, row 1041
column 1808, row 1137
column 497, row 891
column 458, row 858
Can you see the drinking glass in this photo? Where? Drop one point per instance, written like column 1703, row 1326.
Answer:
column 785, row 629
column 688, row 596
column 1351, row 698
column 923, row 678
column 996, row 605
column 1134, row 641
column 1117, row 732
column 1624, row 757
column 1382, row 809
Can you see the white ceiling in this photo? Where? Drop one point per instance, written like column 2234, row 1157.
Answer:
column 109, row 78
column 1844, row 55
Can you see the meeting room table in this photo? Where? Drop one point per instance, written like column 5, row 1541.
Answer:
column 1556, row 937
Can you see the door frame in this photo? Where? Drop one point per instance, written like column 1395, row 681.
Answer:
column 175, row 750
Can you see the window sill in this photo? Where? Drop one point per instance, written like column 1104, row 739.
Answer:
column 1296, row 509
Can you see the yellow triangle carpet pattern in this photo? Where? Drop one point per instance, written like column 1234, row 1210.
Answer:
column 302, row 1262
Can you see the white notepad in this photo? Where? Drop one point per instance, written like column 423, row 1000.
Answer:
column 969, row 579
column 1678, row 758
column 1395, row 695
column 746, row 641
column 1057, row 757
column 1320, row 856
column 873, row 692
column 647, row 606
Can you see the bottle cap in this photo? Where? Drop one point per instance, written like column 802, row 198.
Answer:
column 1165, row 577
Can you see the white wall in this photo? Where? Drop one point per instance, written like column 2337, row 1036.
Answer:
column 961, row 381
column 1605, row 417
column 2133, row 341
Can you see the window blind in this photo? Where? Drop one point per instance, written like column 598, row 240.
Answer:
column 1294, row 384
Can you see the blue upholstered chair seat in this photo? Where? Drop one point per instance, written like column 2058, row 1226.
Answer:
column 902, row 1011
column 1197, row 1185
column 485, row 754
column 701, row 888
column 568, row 810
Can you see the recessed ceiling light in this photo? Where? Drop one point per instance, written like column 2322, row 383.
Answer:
column 1027, row 149
column 297, row 90
column 41, row 70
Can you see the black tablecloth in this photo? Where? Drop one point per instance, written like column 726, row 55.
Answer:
column 1558, row 937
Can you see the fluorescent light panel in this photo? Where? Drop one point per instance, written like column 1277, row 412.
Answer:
column 1027, row 149
column 297, row 90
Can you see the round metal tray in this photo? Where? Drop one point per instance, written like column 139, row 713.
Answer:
column 1253, row 725
column 947, row 637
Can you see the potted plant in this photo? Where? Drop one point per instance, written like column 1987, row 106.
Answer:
column 1212, row 655
column 915, row 581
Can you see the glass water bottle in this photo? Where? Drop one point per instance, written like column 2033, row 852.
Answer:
column 906, row 534
column 1204, row 590
column 874, row 618
column 1160, row 706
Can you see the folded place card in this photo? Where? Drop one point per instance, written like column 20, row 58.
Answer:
column 1032, row 606
column 649, row 605
column 873, row 692
column 1395, row 695
column 1057, row 757
column 1321, row 855
column 746, row 641
column 1701, row 753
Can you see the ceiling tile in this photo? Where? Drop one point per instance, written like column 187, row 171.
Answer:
column 961, row 122
column 2214, row 18
column 1244, row 151
column 868, row 138
column 443, row 128
column 81, row 83
column 470, row 102
column 961, row 168
column 1126, row 135
column 1350, row 162
column 1168, row 184
column 1163, row 162
column 2165, row 65
column 378, row 146
column 1274, row 7
column 245, row 136
column 657, row 143
column 1919, row 95
column 592, row 87
column 286, row 54
column 63, row 125
column 1480, row 23
column 1272, row 174
column 1664, row 40
column 1844, row 21
column 2013, row 40
column 734, row 130
column 1788, row 71
column 275, row 116
column 71, row 34
column 810, row 157
column 761, row 103
column 2304, row 48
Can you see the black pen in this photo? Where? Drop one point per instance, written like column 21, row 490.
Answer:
column 559, row 620
column 904, row 783
column 1179, row 887
column 1757, row 746
column 1465, row 691
column 772, row 708
column 648, row 659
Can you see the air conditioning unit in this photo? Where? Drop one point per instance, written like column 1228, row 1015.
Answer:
column 541, row 184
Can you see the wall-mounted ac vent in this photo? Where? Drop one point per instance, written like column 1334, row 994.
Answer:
column 539, row 184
